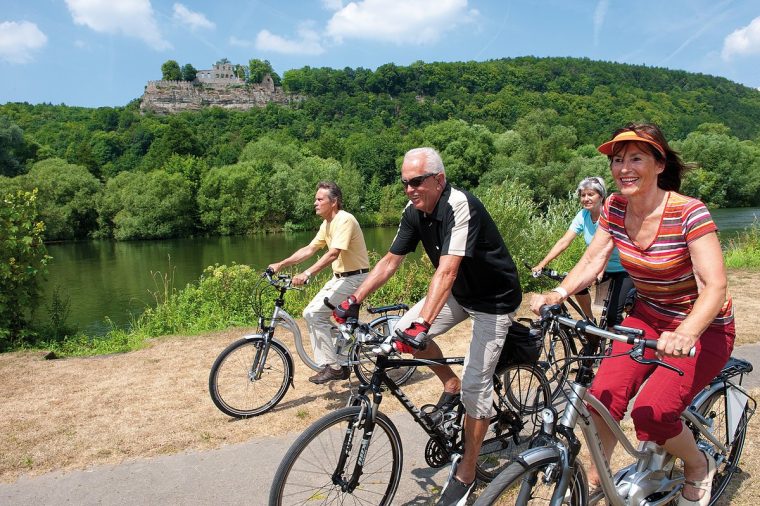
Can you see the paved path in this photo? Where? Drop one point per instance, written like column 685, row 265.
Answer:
column 236, row 474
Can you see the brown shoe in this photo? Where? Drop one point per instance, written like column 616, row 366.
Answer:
column 319, row 374
column 330, row 374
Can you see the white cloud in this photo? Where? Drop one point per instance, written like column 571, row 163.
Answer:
column 133, row 18
column 194, row 20
column 599, row 14
column 411, row 21
column 19, row 41
column 308, row 42
column 744, row 41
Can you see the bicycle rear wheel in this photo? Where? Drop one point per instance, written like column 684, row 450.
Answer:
column 732, row 435
column 320, row 465
column 232, row 381
column 523, row 393
column 364, row 362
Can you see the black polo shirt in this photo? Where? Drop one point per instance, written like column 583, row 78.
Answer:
column 461, row 226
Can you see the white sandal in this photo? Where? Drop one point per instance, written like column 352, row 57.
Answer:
column 705, row 485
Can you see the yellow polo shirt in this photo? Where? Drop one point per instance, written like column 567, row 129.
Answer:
column 345, row 234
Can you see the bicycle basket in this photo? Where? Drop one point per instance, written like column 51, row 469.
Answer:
column 522, row 346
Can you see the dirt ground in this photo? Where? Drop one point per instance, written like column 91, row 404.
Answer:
column 74, row 413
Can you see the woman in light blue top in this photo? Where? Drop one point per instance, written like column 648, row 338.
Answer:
column 592, row 193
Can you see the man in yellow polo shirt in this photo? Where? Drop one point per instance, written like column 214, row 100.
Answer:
column 341, row 234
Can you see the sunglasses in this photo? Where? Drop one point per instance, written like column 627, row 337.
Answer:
column 417, row 181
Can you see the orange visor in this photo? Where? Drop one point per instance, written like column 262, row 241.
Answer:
column 608, row 147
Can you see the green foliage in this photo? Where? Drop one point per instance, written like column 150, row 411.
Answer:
column 230, row 198
column 138, row 206
column 23, row 258
column 170, row 71
column 188, row 72
column 743, row 252
column 66, row 198
column 257, row 69
column 531, row 120
column 729, row 174
column 222, row 297
column 528, row 232
column 466, row 150
column 15, row 150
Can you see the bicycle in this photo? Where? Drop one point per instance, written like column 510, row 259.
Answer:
column 560, row 343
column 357, row 451
column 550, row 472
column 252, row 374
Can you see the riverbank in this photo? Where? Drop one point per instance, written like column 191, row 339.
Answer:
column 75, row 413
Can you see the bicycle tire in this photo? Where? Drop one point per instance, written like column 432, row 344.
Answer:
column 364, row 362
column 553, row 361
column 523, row 394
column 532, row 479
column 715, row 407
column 231, row 383
column 307, row 471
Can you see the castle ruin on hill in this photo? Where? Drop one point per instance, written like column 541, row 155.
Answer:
column 215, row 87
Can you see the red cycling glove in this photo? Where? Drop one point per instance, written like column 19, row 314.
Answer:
column 349, row 308
column 414, row 337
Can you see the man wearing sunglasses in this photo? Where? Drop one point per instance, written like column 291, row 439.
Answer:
column 475, row 277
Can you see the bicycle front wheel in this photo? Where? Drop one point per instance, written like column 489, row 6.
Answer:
column 364, row 362
column 553, row 359
column 522, row 394
column 233, row 383
column 730, row 430
column 534, row 482
column 321, row 466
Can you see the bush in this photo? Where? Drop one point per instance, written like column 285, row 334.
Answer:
column 528, row 233
column 23, row 258
column 743, row 252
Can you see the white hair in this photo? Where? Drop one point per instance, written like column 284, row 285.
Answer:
column 593, row 183
column 433, row 162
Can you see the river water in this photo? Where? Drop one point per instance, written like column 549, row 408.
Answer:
column 106, row 280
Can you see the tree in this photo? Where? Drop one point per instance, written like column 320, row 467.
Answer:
column 170, row 71
column 153, row 205
column 14, row 150
column 257, row 69
column 66, row 198
column 23, row 258
column 188, row 72
column 466, row 150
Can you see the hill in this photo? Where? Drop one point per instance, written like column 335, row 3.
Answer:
column 118, row 173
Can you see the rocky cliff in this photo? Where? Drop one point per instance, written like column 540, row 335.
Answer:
column 168, row 97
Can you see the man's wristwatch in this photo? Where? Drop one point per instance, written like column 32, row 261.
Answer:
column 423, row 322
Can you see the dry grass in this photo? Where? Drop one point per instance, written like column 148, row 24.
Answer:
column 75, row 413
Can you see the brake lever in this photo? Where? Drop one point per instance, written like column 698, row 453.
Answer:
column 637, row 354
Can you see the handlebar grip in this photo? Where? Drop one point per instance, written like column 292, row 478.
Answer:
column 328, row 303
column 652, row 344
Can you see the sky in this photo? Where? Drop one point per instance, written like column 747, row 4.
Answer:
column 95, row 53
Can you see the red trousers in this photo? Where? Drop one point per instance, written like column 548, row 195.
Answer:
column 661, row 400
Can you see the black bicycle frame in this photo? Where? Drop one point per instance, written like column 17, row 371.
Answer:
column 380, row 378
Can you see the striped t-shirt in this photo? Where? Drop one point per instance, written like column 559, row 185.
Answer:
column 662, row 271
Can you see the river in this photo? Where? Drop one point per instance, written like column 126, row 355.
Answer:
column 107, row 280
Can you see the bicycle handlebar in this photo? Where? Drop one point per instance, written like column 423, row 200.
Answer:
column 549, row 273
column 627, row 335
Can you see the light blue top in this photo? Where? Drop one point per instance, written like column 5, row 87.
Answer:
column 583, row 223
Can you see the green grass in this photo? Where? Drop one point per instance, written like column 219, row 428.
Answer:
column 743, row 252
